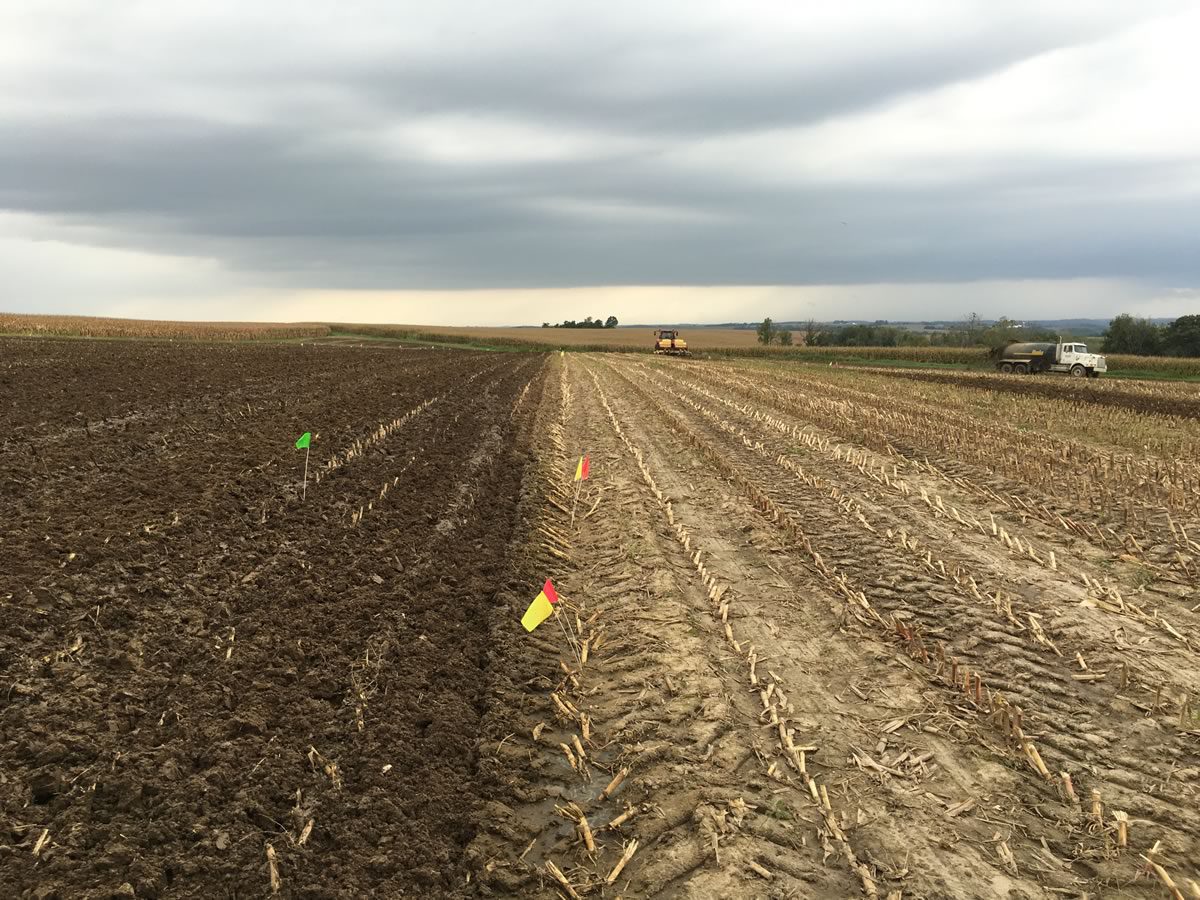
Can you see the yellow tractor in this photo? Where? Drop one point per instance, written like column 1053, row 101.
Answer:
column 669, row 342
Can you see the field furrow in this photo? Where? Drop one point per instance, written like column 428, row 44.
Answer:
column 818, row 631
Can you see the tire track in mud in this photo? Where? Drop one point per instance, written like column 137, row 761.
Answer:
column 1036, row 666
column 1102, row 598
column 1087, row 746
column 1103, row 593
column 709, row 821
column 794, row 665
column 656, row 708
column 776, row 705
column 1030, row 587
column 1166, row 595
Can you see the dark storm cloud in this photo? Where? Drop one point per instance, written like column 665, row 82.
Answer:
column 329, row 172
column 570, row 89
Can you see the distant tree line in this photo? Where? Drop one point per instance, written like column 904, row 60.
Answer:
column 589, row 322
column 1125, row 334
column 769, row 334
column 880, row 334
column 972, row 333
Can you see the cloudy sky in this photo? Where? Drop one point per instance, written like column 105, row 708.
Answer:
column 467, row 161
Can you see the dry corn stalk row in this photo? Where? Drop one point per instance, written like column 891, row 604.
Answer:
column 865, row 464
column 1002, row 604
column 901, row 460
column 381, row 433
column 1099, row 596
column 875, row 427
column 357, row 515
column 555, row 538
column 520, row 401
column 886, row 423
column 857, row 602
column 957, row 575
column 1003, row 715
column 1163, row 440
column 1136, row 470
column 1128, row 547
column 773, row 700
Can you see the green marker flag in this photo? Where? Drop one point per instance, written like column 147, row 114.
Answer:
column 303, row 443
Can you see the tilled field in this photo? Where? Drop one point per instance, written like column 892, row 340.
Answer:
column 821, row 633
column 198, row 665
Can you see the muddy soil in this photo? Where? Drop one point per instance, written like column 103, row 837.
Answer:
column 205, row 678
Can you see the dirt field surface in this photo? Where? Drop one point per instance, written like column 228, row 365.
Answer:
column 1170, row 399
column 827, row 652
column 822, row 632
column 198, row 666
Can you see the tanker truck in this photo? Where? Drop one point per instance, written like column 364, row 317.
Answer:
column 1072, row 358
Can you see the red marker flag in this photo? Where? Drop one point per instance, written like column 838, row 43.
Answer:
column 541, row 608
column 581, row 470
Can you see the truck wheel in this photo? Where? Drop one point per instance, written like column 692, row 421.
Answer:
column 1078, row 371
column 1022, row 368
column 1006, row 368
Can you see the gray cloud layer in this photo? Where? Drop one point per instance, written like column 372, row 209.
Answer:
column 673, row 143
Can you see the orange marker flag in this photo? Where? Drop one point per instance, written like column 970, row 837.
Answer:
column 581, row 470
column 541, row 608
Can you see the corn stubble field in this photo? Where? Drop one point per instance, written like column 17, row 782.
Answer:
column 705, row 341
column 822, row 631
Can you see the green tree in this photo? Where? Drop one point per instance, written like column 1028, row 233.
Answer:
column 611, row 322
column 766, row 331
column 1002, row 333
column 1125, row 334
column 1182, row 337
column 810, row 333
column 785, row 338
column 972, row 329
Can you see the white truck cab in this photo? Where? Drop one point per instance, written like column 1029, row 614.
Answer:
column 1075, row 359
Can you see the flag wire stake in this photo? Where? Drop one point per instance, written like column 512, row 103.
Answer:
column 570, row 643
column 574, row 503
column 304, row 488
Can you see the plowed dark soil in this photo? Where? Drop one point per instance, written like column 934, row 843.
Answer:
column 199, row 669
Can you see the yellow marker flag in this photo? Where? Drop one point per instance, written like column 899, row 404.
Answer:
column 541, row 608
column 581, row 470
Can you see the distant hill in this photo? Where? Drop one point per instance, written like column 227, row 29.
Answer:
column 1078, row 326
